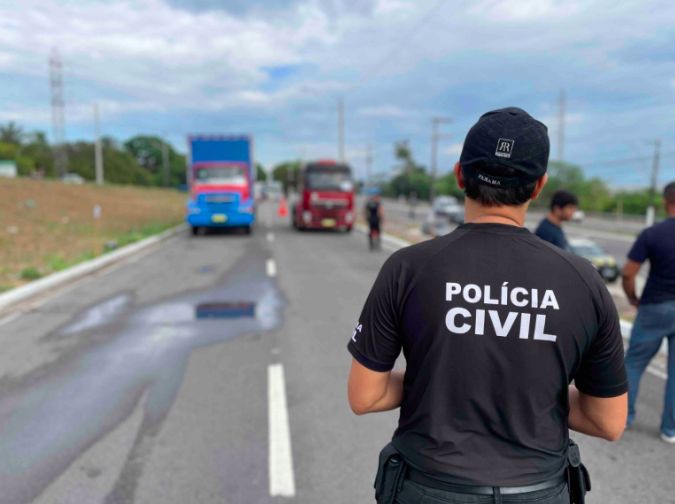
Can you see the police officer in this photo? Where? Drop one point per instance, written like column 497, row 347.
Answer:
column 494, row 325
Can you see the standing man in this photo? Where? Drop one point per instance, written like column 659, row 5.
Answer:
column 563, row 206
column 494, row 325
column 656, row 309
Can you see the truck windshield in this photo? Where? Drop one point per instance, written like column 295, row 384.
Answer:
column 329, row 181
column 231, row 175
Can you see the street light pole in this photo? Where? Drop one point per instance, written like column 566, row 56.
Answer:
column 434, row 152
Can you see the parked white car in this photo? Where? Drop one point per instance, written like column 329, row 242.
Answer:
column 447, row 206
column 72, row 178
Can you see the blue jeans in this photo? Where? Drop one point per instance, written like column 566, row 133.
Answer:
column 653, row 323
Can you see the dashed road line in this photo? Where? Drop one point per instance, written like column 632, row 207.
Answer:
column 271, row 268
column 270, row 237
column 282, row 478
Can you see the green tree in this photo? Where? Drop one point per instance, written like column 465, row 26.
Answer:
column 147, row 151
column 260, row 173
column 287, row 173
column 11, row 133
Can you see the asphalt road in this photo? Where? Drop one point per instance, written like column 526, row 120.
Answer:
column 116, row 391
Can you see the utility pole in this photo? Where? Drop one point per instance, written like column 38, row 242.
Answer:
column 98, row 152
column 434, row 152
column 341, row 130
column 369, row 163
column 561, row 126
column 58, row 112
column 655, row 178
column 165, row 161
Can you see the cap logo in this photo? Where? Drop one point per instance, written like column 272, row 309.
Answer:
column 504, row 148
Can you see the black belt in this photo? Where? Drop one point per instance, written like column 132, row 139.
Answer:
column 425, row 480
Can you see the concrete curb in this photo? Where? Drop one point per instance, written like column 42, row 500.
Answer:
column 397, row 243
column 68, row 275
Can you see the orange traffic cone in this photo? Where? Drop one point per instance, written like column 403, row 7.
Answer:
column 283, row 208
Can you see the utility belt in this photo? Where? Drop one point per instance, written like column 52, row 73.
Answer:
column 393, row 470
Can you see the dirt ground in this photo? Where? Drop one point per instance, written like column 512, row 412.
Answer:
column 46, row 226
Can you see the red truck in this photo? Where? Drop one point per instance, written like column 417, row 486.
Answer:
column 325, row 197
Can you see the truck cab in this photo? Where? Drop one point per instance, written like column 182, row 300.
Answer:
column 221, row 182
column 325, row 197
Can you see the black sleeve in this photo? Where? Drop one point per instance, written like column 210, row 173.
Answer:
column 375, row 342
column 602, row 372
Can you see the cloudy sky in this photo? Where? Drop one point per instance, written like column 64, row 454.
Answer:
column 276, row 68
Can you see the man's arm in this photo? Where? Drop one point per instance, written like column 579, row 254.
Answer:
column 597, row 416
column 630, row 271
column 370, row 391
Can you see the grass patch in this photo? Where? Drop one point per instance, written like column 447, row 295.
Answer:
column 59, row 231
column 147, row 231
column 30, row 274
column 5, row 288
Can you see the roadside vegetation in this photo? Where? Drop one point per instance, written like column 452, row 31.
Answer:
column 47, row 226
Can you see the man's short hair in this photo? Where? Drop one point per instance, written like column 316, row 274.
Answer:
column 669, row 193
column 490, row 196
column 563, row 198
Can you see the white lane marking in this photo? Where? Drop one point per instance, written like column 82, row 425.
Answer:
column 270, row 237
column 282, row 479
column 271, row 268
column 654, row 371
column 10, row 318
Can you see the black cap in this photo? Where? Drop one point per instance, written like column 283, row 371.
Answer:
column 509, row 137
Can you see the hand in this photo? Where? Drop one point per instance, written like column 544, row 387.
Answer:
column 635, row 302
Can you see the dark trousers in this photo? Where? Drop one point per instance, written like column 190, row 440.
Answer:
column 412, row 493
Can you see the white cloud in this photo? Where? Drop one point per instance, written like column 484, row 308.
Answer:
column 382, row 111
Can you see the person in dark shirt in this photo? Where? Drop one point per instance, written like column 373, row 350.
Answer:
column 563, row 206
column 494, row 324
column 656, row 309
column 374, row 215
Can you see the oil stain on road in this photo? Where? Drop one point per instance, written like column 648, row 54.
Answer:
column 127, row 353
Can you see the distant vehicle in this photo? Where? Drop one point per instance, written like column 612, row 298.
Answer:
column 275, row 190
column 457, row 217
column 325, row 197
column 72, row 178
column 260, row 190
column 436, row 226
column 221, row 178
column 447, row 206
column 603, row 261
column 579, row 216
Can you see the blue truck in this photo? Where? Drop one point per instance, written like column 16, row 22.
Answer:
column 221, row 178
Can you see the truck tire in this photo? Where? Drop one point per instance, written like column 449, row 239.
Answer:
column 248, row 230
column 195, row 230
column 348, row 229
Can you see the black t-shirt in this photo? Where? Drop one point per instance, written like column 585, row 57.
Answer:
column 494, row 325
column 657, row 244
column 551, row 233
column 373, row 210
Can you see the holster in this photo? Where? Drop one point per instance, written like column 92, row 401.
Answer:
column 578, row 479
column 390, row 475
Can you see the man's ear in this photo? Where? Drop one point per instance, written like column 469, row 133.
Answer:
column 540, row 186
column 459, row 175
